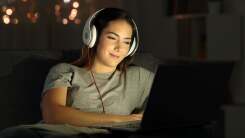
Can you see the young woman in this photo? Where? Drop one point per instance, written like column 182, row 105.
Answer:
column 99, row 87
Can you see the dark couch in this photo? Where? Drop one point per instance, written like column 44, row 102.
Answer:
column 21, row 81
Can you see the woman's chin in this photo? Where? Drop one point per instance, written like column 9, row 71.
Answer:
column 112, row 64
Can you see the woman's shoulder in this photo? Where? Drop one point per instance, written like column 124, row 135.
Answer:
column 139, row 72
column 135, row 68
column 64, row 67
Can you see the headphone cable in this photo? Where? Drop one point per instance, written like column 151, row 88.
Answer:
column 98, row 92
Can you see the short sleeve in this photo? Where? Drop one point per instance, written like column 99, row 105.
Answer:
column 148, row 77
column 59, row 75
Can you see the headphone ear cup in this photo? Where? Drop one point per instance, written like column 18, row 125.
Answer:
column 93, row 37
column 86, row 34
column 133, row 48
column 89, row 31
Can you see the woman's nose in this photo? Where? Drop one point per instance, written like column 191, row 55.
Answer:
column 117, row 46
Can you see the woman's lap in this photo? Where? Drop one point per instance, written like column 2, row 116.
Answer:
column 24, row 132
column 14, row 132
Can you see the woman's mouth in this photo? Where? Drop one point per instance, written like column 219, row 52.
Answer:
column 114, row 56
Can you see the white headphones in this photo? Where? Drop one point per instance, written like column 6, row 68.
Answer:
column 90, row 34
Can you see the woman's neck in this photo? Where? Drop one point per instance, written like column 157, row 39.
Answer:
column 102, row 69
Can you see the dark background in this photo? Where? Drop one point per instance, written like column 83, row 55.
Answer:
column 205, row 30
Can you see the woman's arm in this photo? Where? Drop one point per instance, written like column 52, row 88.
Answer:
column 55, row 111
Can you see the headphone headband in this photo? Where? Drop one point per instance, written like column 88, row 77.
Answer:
column 89, row 34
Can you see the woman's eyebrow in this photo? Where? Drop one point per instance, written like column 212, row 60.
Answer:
column 118, row 35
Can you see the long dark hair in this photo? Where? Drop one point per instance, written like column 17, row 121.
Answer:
column 101, row 21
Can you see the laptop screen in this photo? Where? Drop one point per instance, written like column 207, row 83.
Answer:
column 187, row 94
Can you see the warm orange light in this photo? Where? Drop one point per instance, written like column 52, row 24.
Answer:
column 75, row 4
column 9, row 12
column 57, row 7
column 24, row 0
column 28, row 15
column 64, row 21
column 36, row 15
column 71, row 17
column 66, row 1
column 73, row 14
column 6, row 19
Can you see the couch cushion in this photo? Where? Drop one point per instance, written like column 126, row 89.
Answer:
column 21, row 88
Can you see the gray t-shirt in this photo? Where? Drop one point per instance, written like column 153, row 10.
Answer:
column 121, row 93
column 127, row 91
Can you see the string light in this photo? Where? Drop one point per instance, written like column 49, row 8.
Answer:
column 8, row 16
column 57, row 7
column 6, row 19
column 73, row 14
column 57, row 10
column 28, row 15
column 75, row 4
column 67, row 13
column 27, row 12
column 64, row 21
column 66, row 1
column 71, row 18
column 9, row 12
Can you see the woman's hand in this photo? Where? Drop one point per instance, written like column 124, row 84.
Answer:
column 132, row 117
column 136, row 117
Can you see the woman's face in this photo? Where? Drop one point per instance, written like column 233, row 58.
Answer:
column 114, row 44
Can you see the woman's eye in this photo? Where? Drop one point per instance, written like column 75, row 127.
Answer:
column 127, row 43
column 110, row 37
